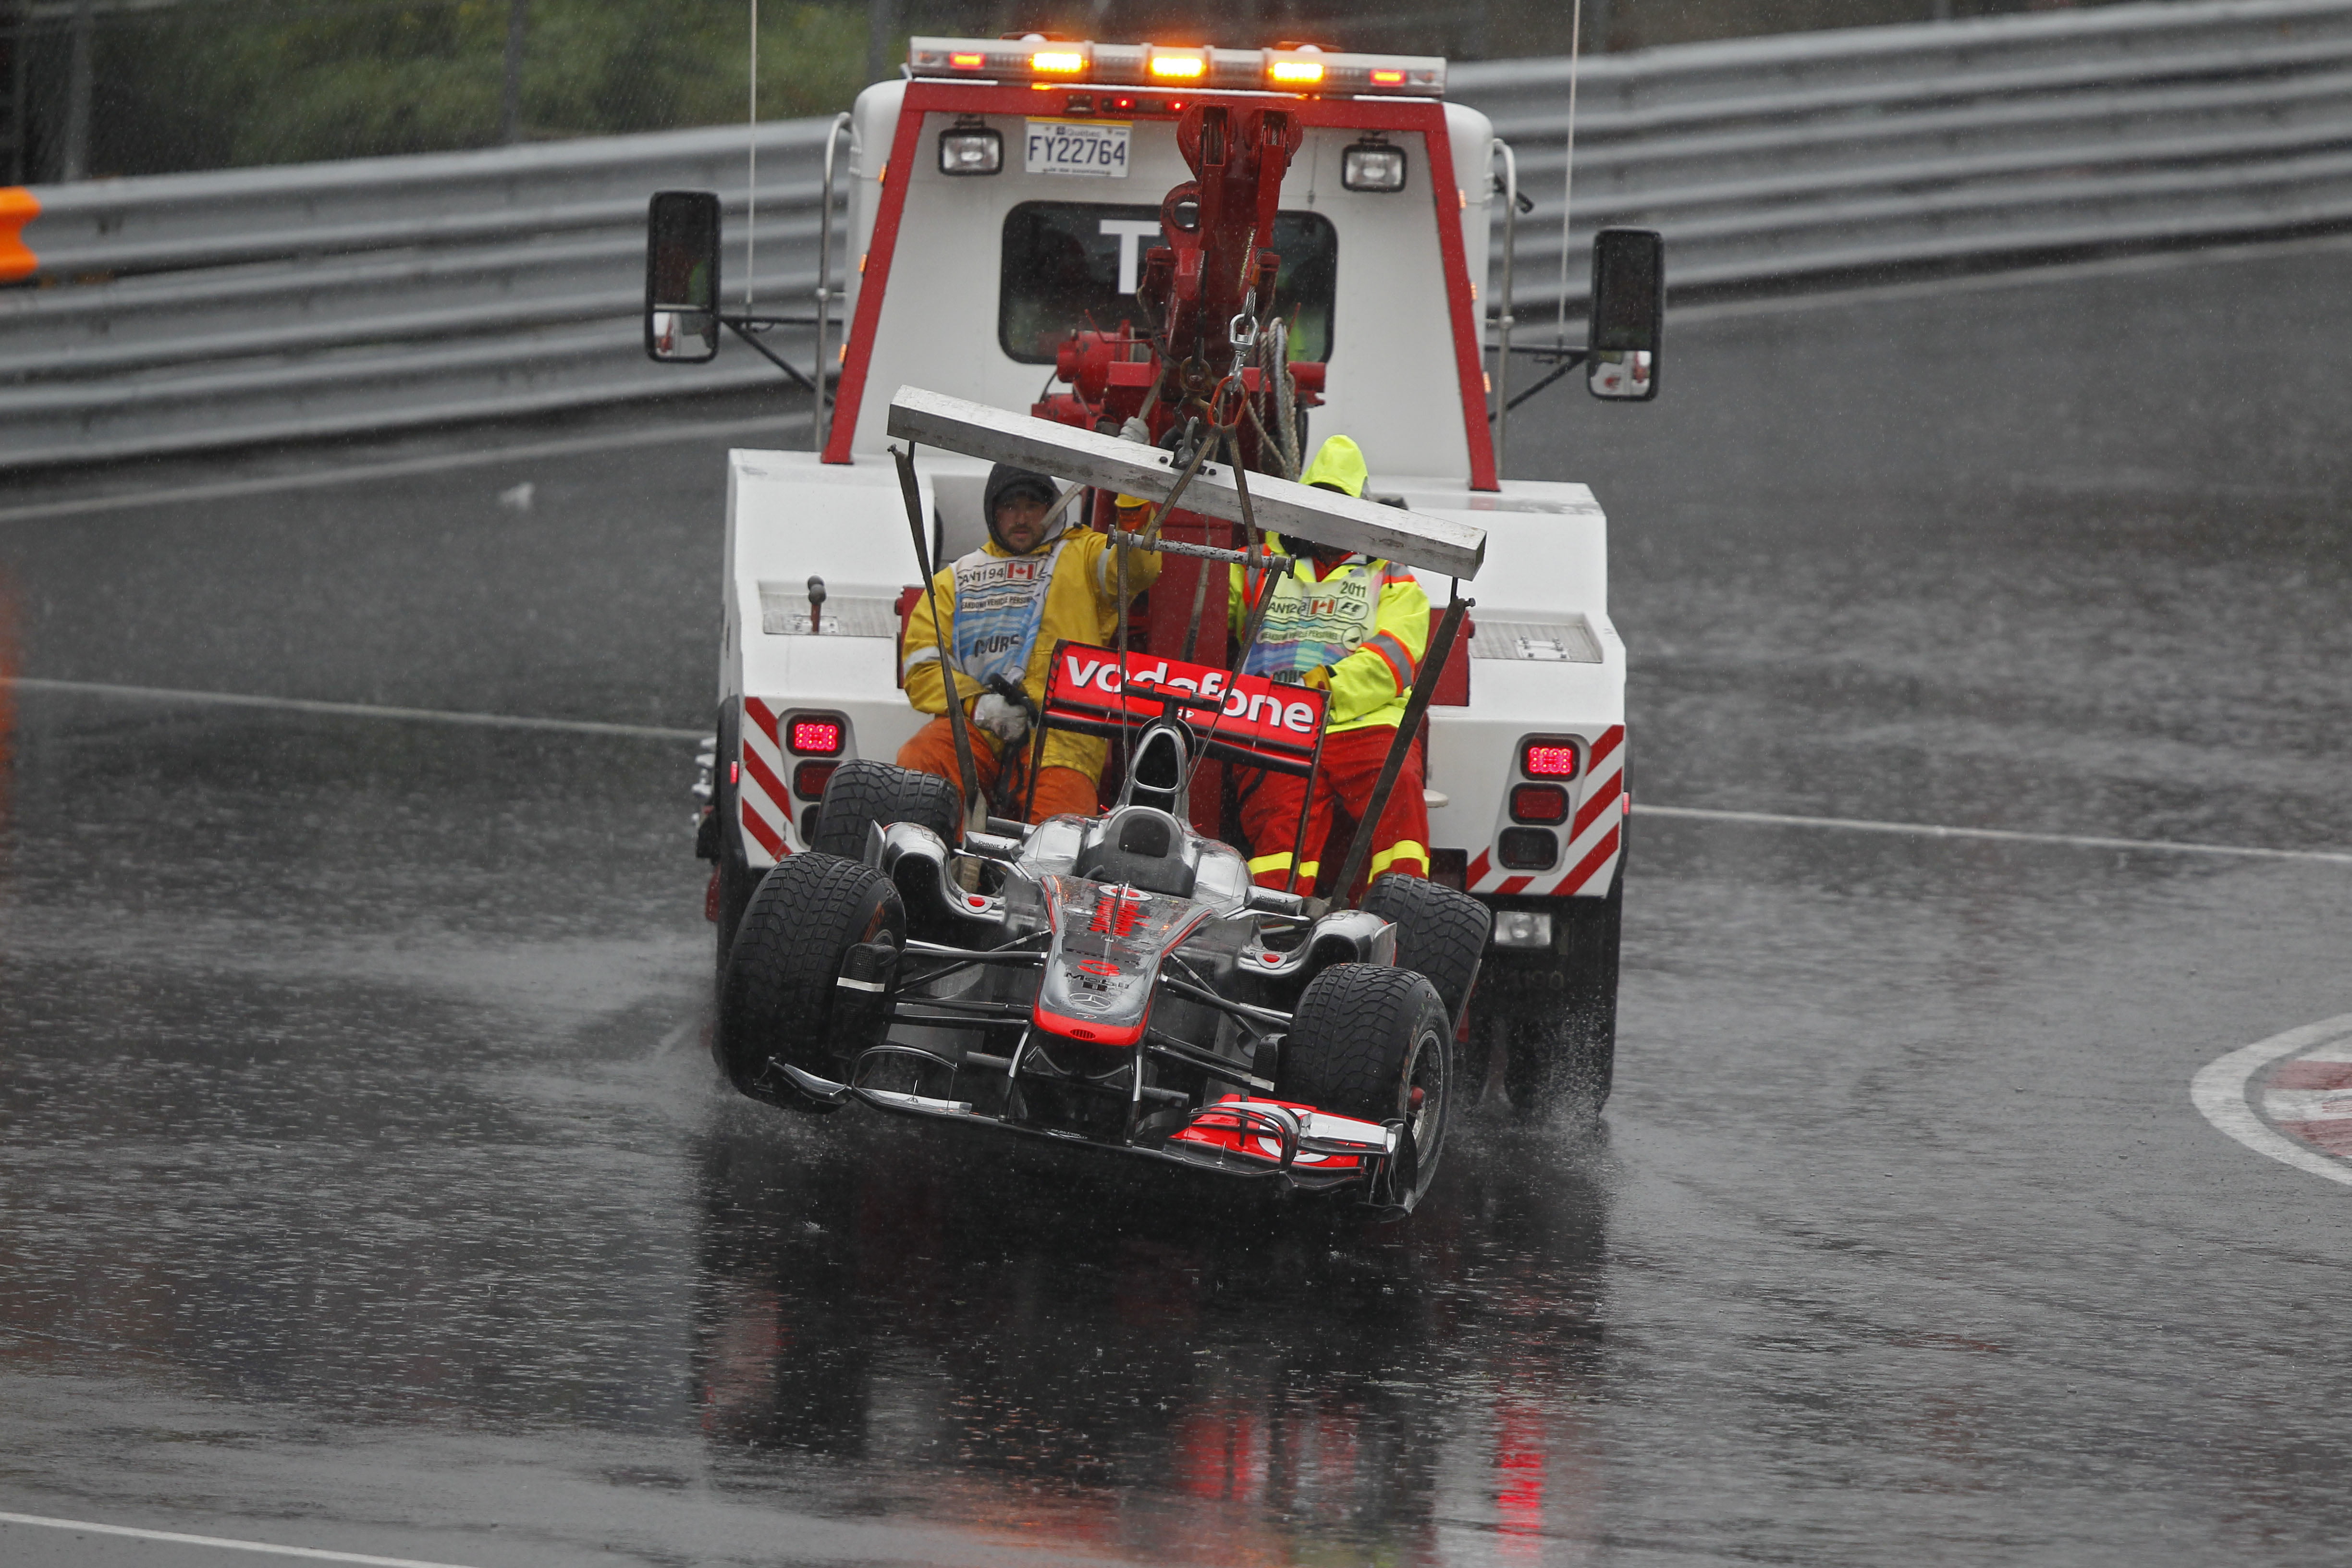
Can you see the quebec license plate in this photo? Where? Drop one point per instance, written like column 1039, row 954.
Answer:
column 1077, row 147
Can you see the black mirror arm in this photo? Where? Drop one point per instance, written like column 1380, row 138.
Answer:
column 1568, row 359
column 748, row 327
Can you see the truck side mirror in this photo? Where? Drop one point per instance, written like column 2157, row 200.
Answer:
column 1629, row 314
column 682, row 276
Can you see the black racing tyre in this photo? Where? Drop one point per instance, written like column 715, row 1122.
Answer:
column 861, row 794
column 1565, row 1058
column 778, row 997
column 1373, row 1041
column 1440, row 933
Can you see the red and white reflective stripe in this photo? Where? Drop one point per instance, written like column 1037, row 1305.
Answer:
column 1594, row 834
column 765, row 804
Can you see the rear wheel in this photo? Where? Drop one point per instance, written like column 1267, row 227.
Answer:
column 1373, row 1041
column 736, row 876
column 1440, row 933
column 1560, row 1055
column 779, row 1000
column 862, row 794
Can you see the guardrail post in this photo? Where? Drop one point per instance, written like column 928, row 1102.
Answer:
column 510, row 90
column 75, row 161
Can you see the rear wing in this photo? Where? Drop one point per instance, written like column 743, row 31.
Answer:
column 1244, row 718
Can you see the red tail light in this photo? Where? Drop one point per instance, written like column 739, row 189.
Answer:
column 816, row 736
column 809, row 779
column 1538, row 803
column 1528, row 848
column 1547, row 758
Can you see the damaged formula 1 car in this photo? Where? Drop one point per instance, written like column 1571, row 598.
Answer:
column 1118, row 982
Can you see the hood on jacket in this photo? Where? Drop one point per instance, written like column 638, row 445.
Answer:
column 1005, row 479
column 1338, row 465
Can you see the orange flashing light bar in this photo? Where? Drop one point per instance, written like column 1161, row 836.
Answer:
column 1166, row 66
column 1305, row 69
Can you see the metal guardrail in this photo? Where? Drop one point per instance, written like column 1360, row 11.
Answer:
column 1773, row 162
column 189, row 312
column 183, row 312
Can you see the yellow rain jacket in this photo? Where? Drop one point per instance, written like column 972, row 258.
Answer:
column 1080, row 602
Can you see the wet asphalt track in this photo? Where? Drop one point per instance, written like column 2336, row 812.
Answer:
column 366, row 1186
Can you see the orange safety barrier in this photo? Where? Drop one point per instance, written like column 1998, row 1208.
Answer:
column 18, row 206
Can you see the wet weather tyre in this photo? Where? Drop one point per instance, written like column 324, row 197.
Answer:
column 1373, row 1041
column 861, row 794
column 1440, row 933
column 1563, row 1060
column 779, row 1000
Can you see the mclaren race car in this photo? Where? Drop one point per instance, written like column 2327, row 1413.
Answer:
column 1116, row 984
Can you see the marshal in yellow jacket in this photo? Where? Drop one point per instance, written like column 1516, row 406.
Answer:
column 1081, row 604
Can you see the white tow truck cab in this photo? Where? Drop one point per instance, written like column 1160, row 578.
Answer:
column 1007, row 201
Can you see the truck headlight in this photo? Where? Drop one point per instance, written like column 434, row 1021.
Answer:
column 1373, row 166
column 1522, row 927
column 970, row 151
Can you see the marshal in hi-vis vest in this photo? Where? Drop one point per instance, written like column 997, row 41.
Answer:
column 1312, row 624
column 1367, row 623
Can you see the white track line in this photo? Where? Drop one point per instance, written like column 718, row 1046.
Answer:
column 175, row 1539
column 401, row 467
column 357, row 709
column 657, row 732
column 1998, row 835
column 2220, row 1091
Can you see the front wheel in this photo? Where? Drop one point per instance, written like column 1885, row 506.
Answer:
column 780, row 1000
column 1374, row 1042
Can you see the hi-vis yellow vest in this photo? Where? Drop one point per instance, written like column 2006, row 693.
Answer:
column 1367, row 623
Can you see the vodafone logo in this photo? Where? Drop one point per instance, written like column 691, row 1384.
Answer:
column 1248, row 698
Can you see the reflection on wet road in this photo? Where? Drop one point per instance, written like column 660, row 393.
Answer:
column 366, row 1186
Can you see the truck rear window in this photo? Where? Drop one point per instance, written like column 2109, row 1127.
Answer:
column 1072, row 265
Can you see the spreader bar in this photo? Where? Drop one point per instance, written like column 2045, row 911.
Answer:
column 1110, row 462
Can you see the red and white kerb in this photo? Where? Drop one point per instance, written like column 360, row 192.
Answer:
column 1593, row 834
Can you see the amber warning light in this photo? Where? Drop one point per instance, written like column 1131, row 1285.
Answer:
column 1301, row 70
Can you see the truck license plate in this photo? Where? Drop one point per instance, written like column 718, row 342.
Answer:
column 1077, row 147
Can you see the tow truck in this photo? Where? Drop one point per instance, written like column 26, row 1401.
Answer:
column 1230, row 253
